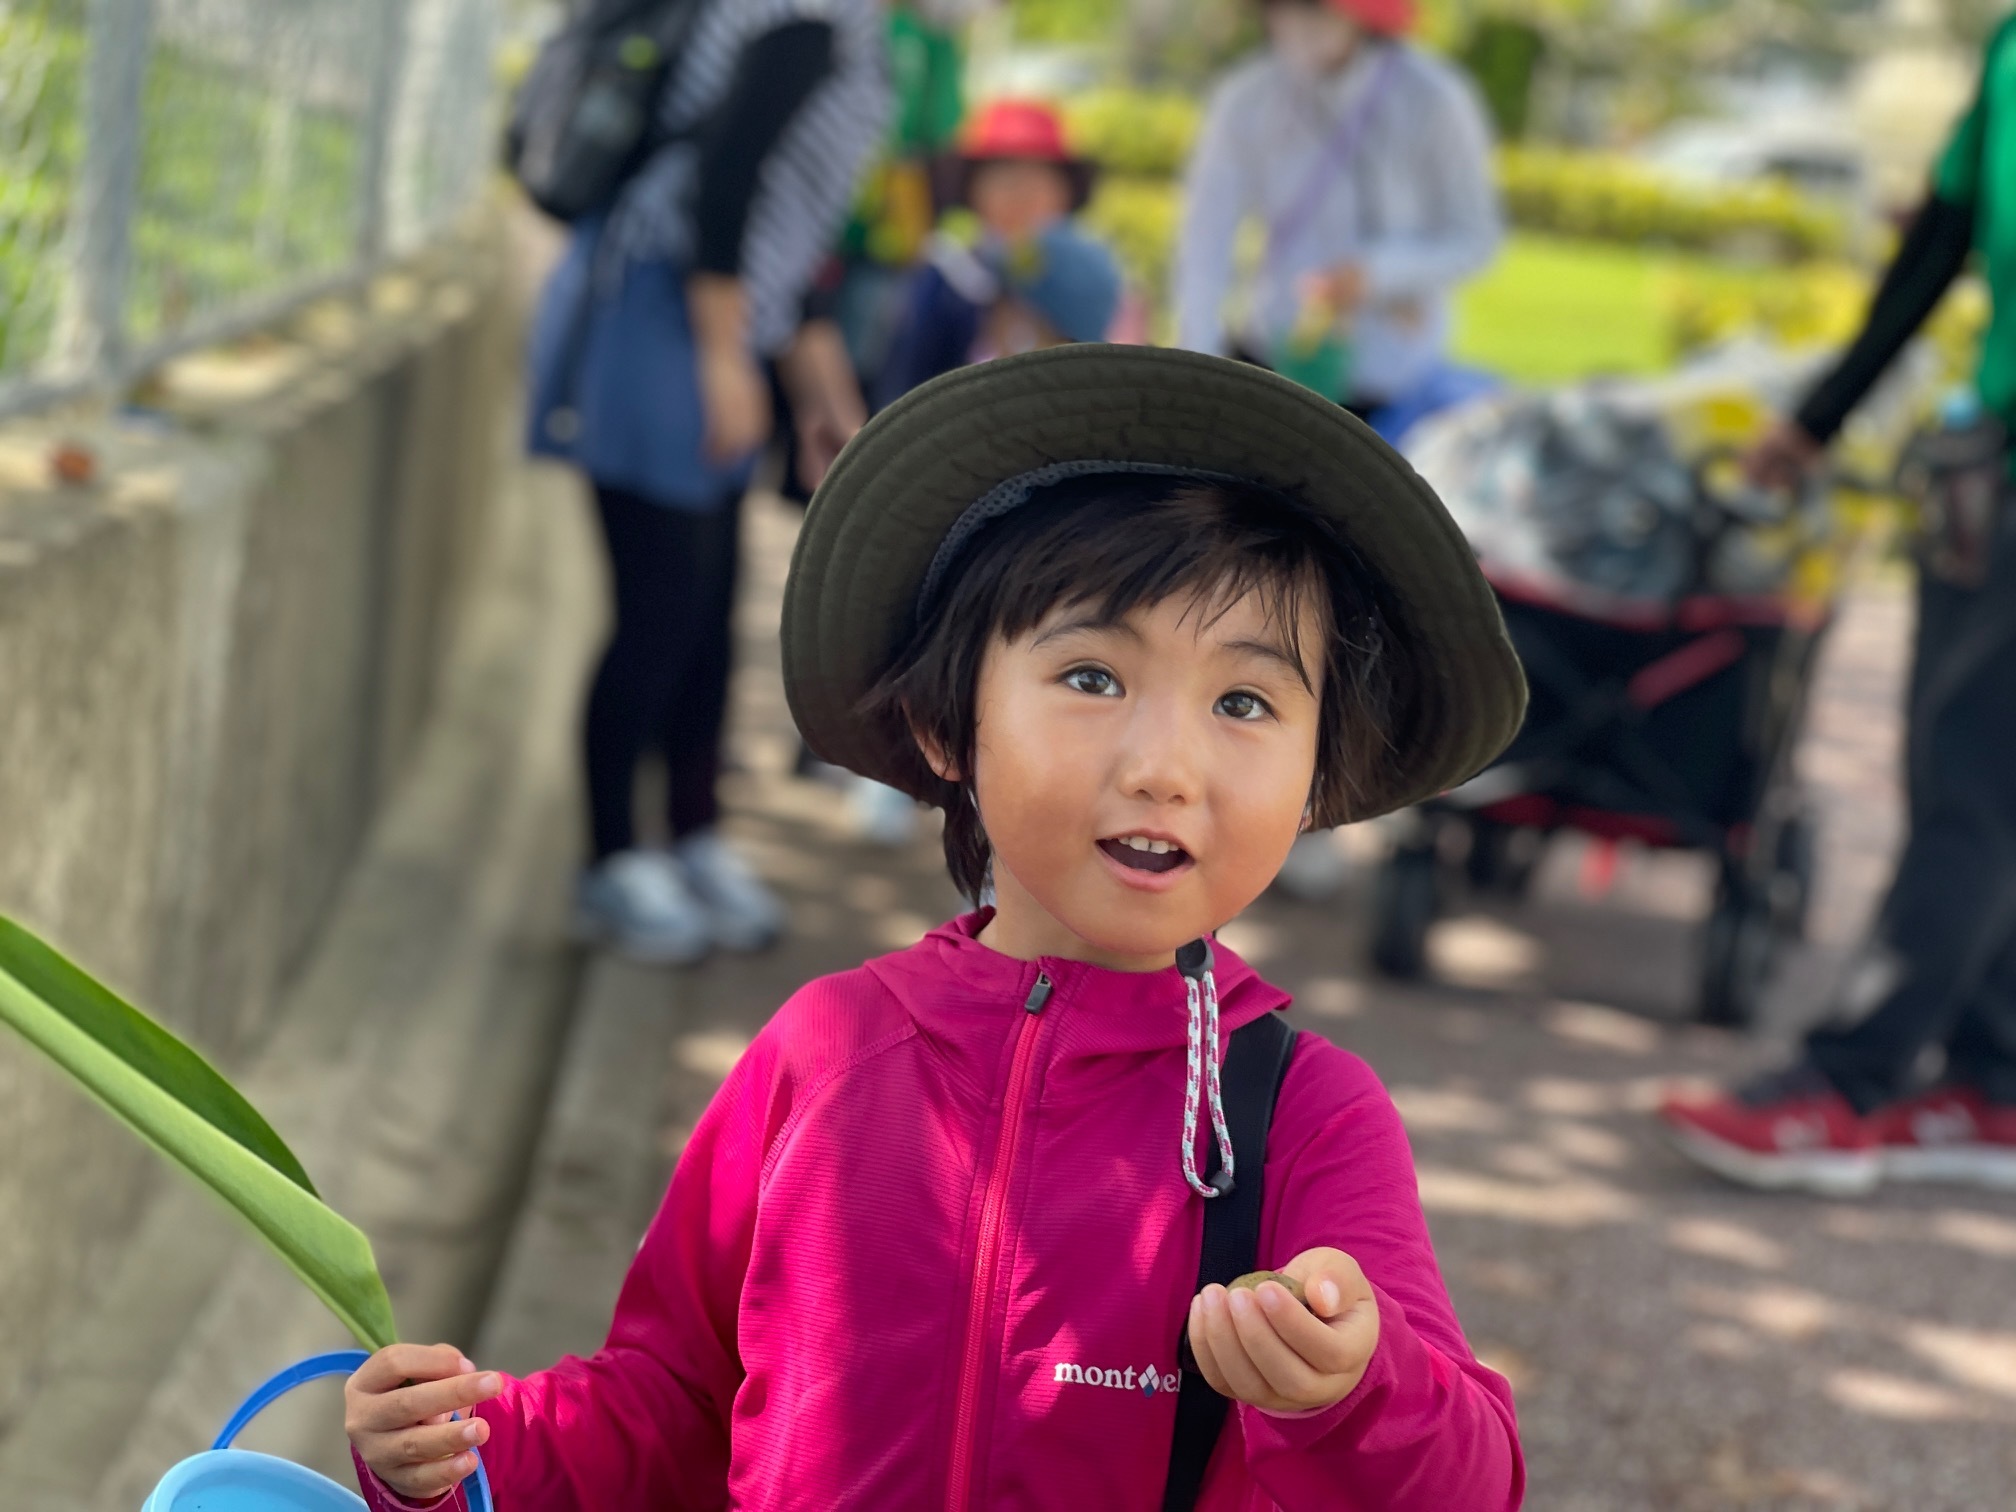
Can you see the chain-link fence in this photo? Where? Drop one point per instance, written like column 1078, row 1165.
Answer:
column 171, row 170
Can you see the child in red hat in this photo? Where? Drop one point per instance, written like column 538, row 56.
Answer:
column 1020, row 273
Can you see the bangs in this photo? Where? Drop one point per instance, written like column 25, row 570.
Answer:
column 1110, row 573
column 1109, row 545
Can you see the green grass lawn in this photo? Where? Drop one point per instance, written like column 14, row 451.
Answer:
column 1552, row 310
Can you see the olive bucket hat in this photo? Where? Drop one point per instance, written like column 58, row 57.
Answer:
column 886, row 528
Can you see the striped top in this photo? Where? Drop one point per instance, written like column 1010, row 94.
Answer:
column 807, row 181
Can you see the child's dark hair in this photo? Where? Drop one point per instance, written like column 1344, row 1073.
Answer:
column 1126, row 541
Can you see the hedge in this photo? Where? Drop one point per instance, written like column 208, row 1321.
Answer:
column 1144, row 134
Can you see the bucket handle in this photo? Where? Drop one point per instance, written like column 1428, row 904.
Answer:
column 339, row 1362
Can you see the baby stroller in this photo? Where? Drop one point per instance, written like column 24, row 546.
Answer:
column 1668, row 621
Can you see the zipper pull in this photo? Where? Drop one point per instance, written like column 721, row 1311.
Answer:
column 1039, row 995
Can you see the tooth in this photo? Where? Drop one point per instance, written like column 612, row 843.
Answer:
column 1160, row 847
column 1135, row 842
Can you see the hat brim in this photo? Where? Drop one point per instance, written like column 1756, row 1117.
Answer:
column 877, row 521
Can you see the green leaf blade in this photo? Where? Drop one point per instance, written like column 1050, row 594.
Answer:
column 169, row 1095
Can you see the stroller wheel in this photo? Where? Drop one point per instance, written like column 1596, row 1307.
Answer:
column 1737, row 951
column 1403, row 909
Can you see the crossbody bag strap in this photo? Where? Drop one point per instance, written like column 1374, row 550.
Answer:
column 1256, row 1063
column 1338, row 154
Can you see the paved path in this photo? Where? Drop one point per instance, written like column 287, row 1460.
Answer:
column 1675, row 1343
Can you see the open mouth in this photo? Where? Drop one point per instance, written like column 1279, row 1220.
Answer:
column 1138, row 853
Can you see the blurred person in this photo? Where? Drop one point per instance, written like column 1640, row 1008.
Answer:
column 1016, row 272
column 1367, row 164
column 1938, row 980
column 646, row 374
column 1131, row 618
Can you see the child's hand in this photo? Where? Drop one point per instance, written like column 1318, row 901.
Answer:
column 1265, row 1348
column 397, row 1408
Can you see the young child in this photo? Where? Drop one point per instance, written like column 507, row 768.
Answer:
column 1021, row 274
column 1134, row 618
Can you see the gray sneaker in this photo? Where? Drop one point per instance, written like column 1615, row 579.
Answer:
column 638, row 903
column 746, row 914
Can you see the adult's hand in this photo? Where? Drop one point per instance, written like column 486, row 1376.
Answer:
column 734, row 399
column 735, row 402
column 1782, row 456
column 825, row 397
column 1341, row 289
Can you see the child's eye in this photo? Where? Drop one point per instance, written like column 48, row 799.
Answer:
column 1094, row 680
column 1243, row 706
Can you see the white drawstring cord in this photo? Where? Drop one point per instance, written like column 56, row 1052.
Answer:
column 1202, row 1079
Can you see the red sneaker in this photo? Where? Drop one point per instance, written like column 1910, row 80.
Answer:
column 1791, row 1129
column 1950, row 1133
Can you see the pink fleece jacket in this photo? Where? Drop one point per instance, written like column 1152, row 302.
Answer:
column 929, row 1249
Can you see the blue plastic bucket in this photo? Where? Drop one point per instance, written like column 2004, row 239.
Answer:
column 237, row 1480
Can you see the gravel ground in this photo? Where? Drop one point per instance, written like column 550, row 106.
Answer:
column 1675, row 1343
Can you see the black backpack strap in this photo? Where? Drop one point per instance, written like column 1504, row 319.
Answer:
column 1256, row 1063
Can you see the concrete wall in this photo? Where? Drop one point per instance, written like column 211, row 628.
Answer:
column 214, row 663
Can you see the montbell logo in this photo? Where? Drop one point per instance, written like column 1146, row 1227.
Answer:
column 1147, row 1381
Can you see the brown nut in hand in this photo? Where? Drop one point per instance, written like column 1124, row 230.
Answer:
column 1252, row 1279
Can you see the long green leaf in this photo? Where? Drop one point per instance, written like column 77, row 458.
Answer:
column 175, row 1100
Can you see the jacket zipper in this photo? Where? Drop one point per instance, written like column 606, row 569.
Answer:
column 986, row 1253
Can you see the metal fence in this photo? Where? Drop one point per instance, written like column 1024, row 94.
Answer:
column 175, row 170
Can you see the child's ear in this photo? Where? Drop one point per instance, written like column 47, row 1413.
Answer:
column 935, row 755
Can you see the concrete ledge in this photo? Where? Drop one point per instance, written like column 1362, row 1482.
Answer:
column 216, row 659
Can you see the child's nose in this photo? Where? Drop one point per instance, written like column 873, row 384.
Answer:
column 1159, row 760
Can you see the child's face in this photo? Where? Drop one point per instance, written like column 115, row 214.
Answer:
column 1171, row 727
column 1015, row 198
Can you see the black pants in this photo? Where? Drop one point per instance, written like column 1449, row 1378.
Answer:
column 663, row 680
column 1943, row 970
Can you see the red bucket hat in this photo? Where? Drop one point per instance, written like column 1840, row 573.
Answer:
column 1024, row 131
column 1385, row 18
column 1016, row 129
column 1388, row 18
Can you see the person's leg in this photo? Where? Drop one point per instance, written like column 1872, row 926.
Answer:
column 1939, row 945
column 628, row 896
column 632, row 682
column 1982, row 1054
column 744, row 913
column 1943, row 924
column 693, row 717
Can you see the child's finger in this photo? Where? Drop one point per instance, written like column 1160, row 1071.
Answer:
column 396, row 1364
column 1287, row 1374
column 1321, row 1345
column 1241, row 1377
column 425, row 1482
column 1200, row 1349
column 390, row 1411
column 414, row 1448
